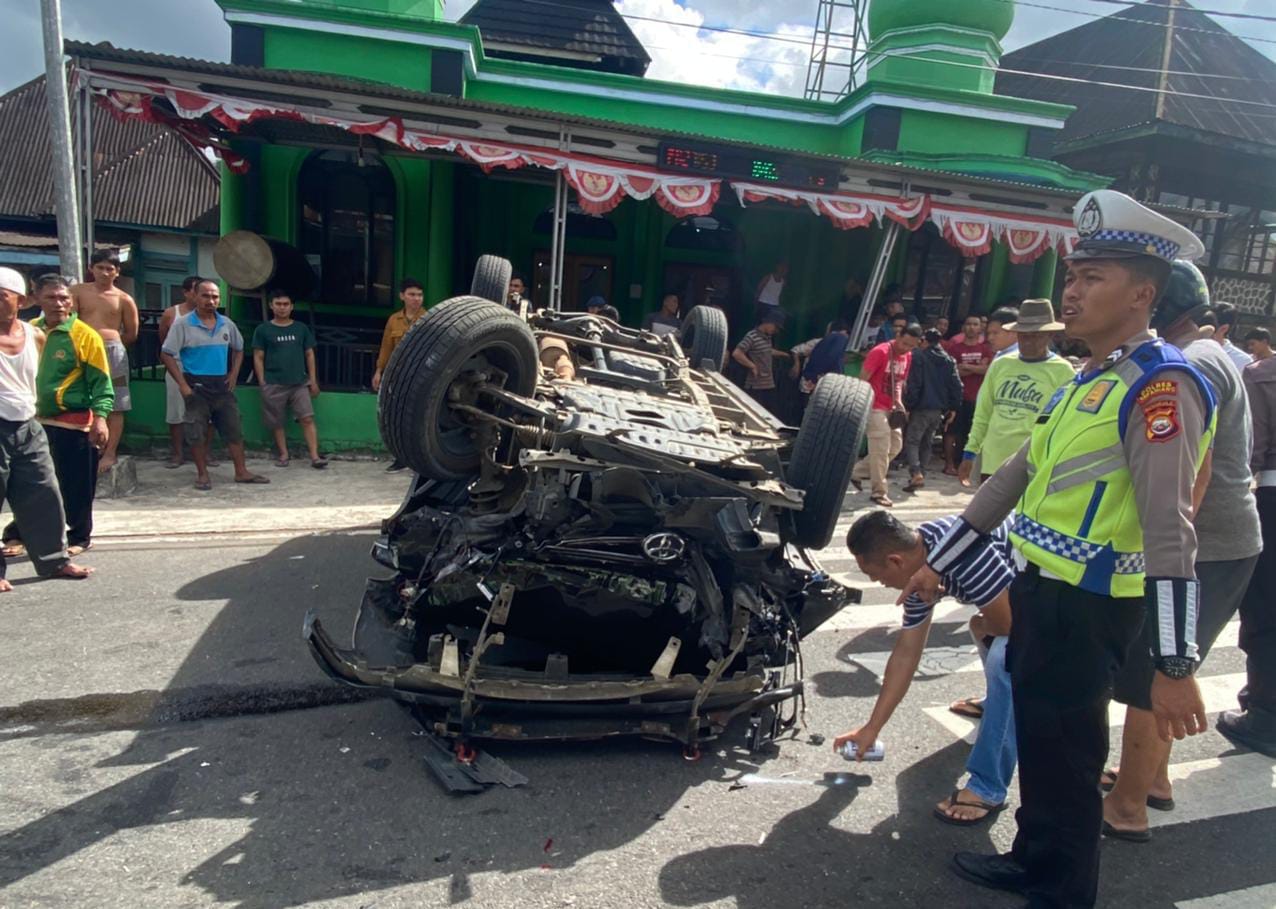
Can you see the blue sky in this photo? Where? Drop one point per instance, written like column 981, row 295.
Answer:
column 195, row 28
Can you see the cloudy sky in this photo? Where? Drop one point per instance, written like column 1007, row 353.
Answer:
column 682, row 52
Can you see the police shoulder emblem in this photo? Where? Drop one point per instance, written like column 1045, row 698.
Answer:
column 1095, row 397
column 1090, row 221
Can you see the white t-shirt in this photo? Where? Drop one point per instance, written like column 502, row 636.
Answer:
column 770, row 292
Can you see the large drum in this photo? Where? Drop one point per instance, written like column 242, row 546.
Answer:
column 248, row 261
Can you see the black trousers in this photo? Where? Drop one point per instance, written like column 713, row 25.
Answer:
column 1065, row 647
column 75, row 461
column 1258, row 621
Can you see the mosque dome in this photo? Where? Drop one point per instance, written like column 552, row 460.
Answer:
column 993, row 16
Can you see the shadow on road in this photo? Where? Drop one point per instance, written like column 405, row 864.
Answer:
column 335, row 801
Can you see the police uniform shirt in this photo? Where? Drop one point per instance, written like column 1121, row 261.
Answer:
column 1161, row 450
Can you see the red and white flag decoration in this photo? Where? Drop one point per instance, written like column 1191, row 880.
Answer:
column 600, row 184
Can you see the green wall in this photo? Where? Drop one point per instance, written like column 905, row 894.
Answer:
column 394, row 63
column 931, row 133
column 347, row 421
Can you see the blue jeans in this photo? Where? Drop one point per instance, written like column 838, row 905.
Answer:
column 992, row 761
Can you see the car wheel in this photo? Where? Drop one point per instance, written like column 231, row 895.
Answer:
column 492, row 279
column 417, row 422
column 824, row 453
column 703, row 336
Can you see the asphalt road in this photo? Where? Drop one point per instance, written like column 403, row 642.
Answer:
column 166, row 740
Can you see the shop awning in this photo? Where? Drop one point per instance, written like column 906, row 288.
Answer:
column 600, row 184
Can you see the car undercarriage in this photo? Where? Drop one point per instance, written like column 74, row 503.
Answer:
column 618, row 547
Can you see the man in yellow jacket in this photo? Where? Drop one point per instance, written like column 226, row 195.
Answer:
column 74, row 397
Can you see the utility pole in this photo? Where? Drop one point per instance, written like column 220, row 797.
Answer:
column 60, row 139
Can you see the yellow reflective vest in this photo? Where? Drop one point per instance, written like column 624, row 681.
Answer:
column 1078, row 519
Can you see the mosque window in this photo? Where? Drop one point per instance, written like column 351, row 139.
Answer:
column 347, row 203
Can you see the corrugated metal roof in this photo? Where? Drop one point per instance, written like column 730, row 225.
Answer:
column 143, row 174
column 590, row 27
column 1129, row 49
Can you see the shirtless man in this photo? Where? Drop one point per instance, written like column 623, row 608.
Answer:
column 175, row 407
column 112, row 312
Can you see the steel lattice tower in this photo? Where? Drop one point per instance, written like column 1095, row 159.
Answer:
column 838, row 49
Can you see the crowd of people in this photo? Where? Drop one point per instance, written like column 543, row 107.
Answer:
column 1119, row 526
column 64, row 393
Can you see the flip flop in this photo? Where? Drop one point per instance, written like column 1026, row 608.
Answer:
column 319, row 463
column 203, row 486
column 990, row 811
column 1130, row 836
column 171, row 465
column 78, row 549
column 255, row 479
column 1108, row 779
column 13, row 550
column 883, row 501
column 971, row 708
column 282, row 462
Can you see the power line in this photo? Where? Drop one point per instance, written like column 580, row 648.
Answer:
column 1118, row 18
column 1208, row 12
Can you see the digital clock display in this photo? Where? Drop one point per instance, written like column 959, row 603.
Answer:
column 742, row 164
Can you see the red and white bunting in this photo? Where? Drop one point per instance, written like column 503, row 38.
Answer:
column 845, row 210
column 600, row 184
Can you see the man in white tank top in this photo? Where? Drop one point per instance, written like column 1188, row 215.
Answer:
column 27, row 478
column 770, row 288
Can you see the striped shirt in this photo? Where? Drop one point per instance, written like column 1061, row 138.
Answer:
column 976, row 580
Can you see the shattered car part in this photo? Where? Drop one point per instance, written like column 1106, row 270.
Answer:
column 622, row 552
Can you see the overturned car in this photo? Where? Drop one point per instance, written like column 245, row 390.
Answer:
column 604, row 536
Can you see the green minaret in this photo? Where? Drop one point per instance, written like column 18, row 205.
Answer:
column 943, row 43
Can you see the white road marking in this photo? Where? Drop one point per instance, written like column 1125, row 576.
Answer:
column 1260, row 897
column 1216, row 787
column 863, row 618
column 1218, row 691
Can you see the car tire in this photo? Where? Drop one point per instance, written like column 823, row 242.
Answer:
column 492, row 279
column 824, row 454
column 703, row 336
column 412, row 406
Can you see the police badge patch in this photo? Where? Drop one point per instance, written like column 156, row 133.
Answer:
column 1159, row 401
column 1090, row 221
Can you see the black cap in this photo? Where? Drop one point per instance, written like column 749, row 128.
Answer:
column 1185, row 294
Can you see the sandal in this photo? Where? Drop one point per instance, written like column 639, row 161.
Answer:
column 282, row 462
column 1130, row 836
column 883, row 501
column 1107, row 780
column 76, row 549
column 203, row 485
column 14, row 549
column 254, row 479
column 319, row 463
column 990, row 810
column 971, row 708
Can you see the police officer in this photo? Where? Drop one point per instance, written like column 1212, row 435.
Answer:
column 1102, row 492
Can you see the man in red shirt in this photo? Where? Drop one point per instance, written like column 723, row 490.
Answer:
column 886, row 369
column 973, row 356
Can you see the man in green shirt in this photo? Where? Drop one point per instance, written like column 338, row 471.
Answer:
column 284, row 361
column 1016, row 388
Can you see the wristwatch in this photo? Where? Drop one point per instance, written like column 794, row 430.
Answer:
column 1176, row 667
